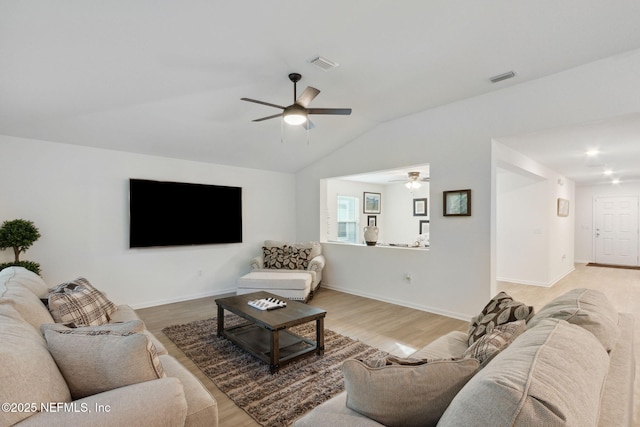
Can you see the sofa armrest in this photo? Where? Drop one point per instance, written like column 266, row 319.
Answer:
column 257, row 262
column 316, row 264
column 158, row 402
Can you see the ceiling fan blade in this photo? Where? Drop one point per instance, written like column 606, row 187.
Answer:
column 308, row 125
column 307, row 96
column 336, row 111
column 262, row 102
column 267, row 118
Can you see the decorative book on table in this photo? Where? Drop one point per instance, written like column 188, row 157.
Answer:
column 267, row 303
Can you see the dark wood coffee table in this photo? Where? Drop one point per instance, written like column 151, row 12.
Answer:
column 265, row 335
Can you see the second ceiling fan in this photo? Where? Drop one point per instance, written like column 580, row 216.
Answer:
column 298, row 112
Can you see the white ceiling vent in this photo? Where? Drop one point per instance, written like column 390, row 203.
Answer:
column 324, row 63
column 501, row 77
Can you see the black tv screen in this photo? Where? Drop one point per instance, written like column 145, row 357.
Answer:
column 176, row 214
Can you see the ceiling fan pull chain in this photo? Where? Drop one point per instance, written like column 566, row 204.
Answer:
column 281, row 130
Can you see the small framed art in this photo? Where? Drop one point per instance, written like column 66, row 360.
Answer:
column 371, row 203
column 456, row 203
column 372, row 221
column 424, row 226
column 420, row 207
column 563, row 207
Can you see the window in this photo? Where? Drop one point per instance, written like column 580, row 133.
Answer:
column 347, row 219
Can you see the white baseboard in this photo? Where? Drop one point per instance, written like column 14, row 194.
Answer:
column 217, row 292
column 420, row 307
column 535, row 283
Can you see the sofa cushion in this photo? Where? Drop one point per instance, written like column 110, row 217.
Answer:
column 405, row 395
column 489, row 345
column 22, row 289
column 93, row 360
column 28, row 373
column 552, row 375
column 587, row 308
column 79, row 303
column 121, row 328
column 126, row 313
column 499, row 310
column 23, row 278
column 450, row 345
column 27, row 304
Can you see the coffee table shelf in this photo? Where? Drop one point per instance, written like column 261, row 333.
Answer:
column 265, row 335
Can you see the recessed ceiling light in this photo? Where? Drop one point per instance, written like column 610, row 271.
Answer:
column 607, row 172
column 592, row 153
column 615, row 181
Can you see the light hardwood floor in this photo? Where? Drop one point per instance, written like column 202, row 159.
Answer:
column 395, row 329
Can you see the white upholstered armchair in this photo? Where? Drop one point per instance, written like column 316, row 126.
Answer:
column 289, row 270
column 284, row 256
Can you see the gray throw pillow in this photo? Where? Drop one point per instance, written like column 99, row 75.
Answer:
column 405, row 394
column 93, row 360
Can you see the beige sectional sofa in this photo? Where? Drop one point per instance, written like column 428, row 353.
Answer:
column 574, row 365
column 44, row 368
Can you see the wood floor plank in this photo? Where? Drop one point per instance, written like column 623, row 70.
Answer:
column 396, row 329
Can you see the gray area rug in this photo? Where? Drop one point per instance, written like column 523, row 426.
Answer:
column 272, row 400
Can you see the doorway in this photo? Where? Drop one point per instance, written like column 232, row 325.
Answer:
column 616, row 230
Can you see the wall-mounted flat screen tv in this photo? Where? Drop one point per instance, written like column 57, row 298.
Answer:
column 177, row 214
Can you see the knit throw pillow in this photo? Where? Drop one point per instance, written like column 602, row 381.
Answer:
column 501, row 309
column 77, row 303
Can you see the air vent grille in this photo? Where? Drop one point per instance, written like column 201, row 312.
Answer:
column 324, row 63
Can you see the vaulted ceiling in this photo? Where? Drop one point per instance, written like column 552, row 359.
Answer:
column 166, row 77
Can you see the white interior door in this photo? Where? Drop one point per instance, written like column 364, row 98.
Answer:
column 616, row 230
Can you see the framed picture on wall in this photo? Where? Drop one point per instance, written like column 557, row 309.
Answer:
column 457, row 203
column 372, row 221
column 371, row 203
column 420, row 207
column 563, row 207
column 424, row 226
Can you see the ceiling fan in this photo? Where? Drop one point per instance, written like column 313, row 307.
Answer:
column 412, row 181
column 298, row 112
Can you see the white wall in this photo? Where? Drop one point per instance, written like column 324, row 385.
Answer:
column 534, row 245
column 584, row 214
column 395, row 221
column 342, row 187
column 457, row 275
column 78, row 198
column 404, row 227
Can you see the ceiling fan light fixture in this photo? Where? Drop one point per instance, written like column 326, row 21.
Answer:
column 413, row 185
column 295, row 115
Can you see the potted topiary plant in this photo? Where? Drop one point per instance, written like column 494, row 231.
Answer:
column 19, row 234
